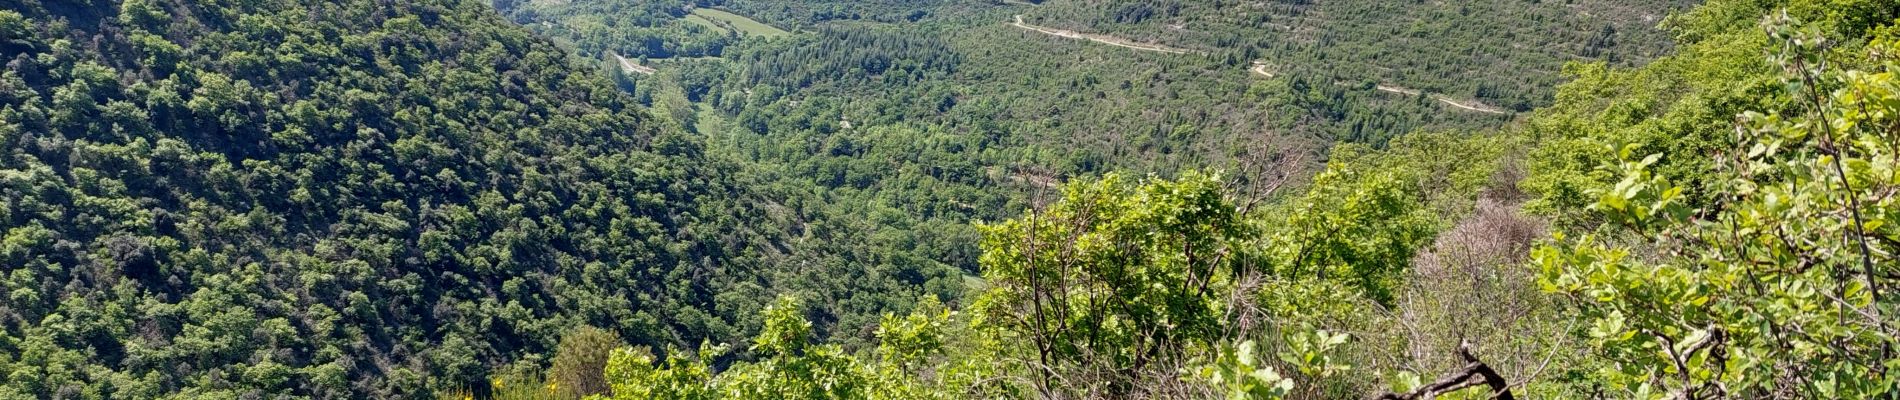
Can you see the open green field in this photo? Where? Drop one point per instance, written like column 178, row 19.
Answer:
column 745, row 25
column 702, row 21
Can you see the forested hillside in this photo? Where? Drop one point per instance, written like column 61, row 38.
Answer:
column 1708, row 217
column 1501, row 53
column 353, row 199
column 911, row 128
column 908, row 199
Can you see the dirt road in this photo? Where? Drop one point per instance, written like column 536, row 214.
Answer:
column 1261, row 68
column 1103, row 39
column 1471, row 106
column 1258, row 67
column 630, row 67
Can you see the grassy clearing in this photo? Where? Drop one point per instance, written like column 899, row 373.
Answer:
column 702, row 21
column 745, row 25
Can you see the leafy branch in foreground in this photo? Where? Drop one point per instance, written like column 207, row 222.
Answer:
column 1773, row 289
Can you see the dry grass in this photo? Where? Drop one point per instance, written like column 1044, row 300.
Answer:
column 1475, row 284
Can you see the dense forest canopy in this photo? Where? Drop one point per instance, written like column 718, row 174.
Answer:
column 1503, row 53
column 341, row 199
column 928, row 124
column 1402, row 264
column 911, row 199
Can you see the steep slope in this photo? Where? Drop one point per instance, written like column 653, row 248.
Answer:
column 346, row 199
column 1724, row 222
column 888, row 127
column 1502, row 53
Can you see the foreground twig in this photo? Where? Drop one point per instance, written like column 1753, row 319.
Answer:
column 1474, row 373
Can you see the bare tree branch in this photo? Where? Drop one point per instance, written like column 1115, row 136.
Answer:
column 1473, row 374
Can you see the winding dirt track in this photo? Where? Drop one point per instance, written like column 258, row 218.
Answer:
column 1258, row 67
column 1473, row 106
column 634, row 68
column 1103, row 39
column 1395, row 89
column 1261, row 68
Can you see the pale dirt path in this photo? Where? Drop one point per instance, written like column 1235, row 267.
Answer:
column 1472, row 106
column 1396, row 89
column 629, row 66
column 1261, row 68
column 1103, row 39
column 1258, row 68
